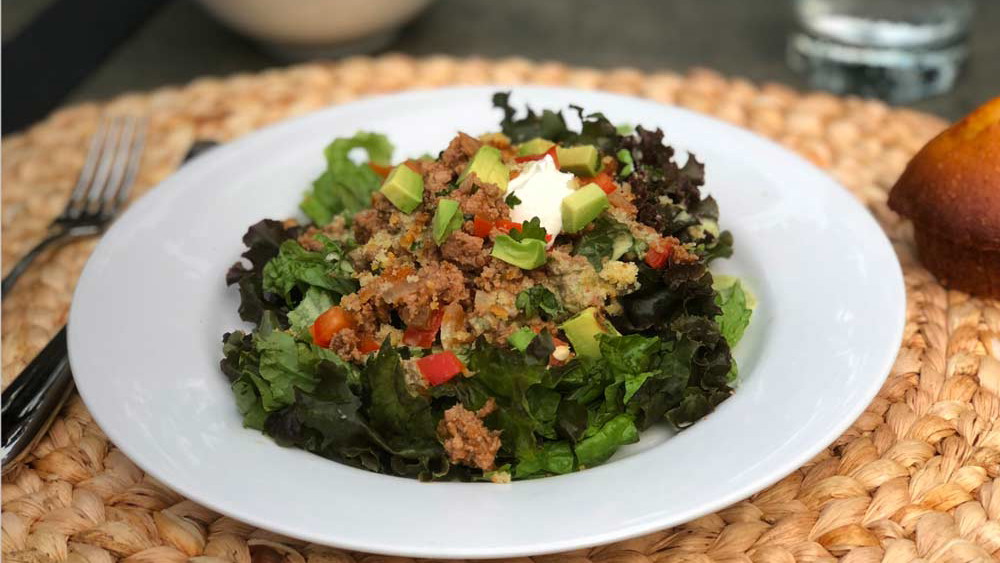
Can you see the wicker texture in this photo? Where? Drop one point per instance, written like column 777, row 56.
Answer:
column 917, row 477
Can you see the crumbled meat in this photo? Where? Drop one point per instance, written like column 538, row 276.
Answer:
column 417, row 222
column 466, row 439
column 346, row 343
column 485, row 200
column 335, row 230
column 430, row 288
column 365, row 306
column 459, row 151
column 465, row 250
column 377, row 253
column 437, row 180
column 679, row 253
column 374, row 219
column 366, row 223
column 368, row 303
column 500, row 275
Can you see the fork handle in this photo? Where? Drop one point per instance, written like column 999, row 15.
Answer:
column 56, row 234
column 11, row 278
column 33, row 399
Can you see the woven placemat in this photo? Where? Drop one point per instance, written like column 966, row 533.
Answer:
column 915, row 478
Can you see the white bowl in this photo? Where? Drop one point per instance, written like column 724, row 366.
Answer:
column 151, row 306
column 301, row 29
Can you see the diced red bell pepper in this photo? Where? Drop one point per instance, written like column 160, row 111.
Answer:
column 439, row 368
column 604, row 180
column 334, row 320
column 551, row 152
column 658, row 254
column 423, row 337
column 481, row 227
column 505, row 226
column 368, row 345
column 380, row 169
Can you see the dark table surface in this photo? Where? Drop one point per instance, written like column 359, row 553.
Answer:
column 180, row 42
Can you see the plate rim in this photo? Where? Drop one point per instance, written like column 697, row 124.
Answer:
column 885, row 362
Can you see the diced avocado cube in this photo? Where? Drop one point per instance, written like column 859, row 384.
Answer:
column 535, row 146
column 487, row 164
column 447, row 220
column 521, row 338
column 582, row 331
column 404, row 188
column 584, row 160
column 527, row 254
column 583, row 206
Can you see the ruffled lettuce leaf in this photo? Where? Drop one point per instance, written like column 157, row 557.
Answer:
column 307, row 397
column 294, row 270
column 551, row 458
column 605, row 441
column 392, row 408
column 263, row 241
column 668, row 196
column 346, row 187
column 276, row 363
column 314, row 303
column 595, row 128
column 736, row 311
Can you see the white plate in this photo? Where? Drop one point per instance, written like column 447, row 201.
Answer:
column 151, row 306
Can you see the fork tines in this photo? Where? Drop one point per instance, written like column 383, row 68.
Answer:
column 109, row 170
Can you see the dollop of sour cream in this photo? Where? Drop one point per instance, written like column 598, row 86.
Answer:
column 541, row 188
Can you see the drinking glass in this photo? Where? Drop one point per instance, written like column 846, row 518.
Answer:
column 897, row 50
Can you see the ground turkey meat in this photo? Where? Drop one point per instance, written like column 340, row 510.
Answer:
column 429, row 289
column 437, row 180
column 377, row 218
column 679, row 254
column 467, row 440
column 346, row 343
column 465, row 250
column 335, row 230
column 499, row 275
column 459, row 151
column 366, row 306
column 485, row 200
column 366, row 223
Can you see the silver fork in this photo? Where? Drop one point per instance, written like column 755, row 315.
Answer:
column 33, row 399
column 103, row 186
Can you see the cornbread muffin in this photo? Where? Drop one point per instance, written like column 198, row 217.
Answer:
column 951, row 192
